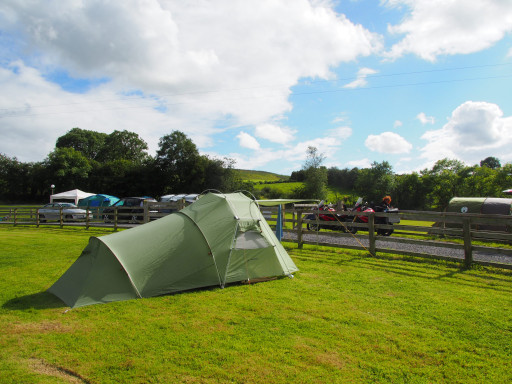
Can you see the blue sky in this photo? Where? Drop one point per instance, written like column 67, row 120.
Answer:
column 406, row 81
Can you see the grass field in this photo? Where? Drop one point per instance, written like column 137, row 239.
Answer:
column 344, row 318
column 260, row 176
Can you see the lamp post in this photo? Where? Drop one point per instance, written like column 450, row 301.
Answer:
column 52, row 187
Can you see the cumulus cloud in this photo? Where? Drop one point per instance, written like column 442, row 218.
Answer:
column 388, row 142
column 187, row 56
column 275, row 133
column 341, row 133
column 474, row 130
column 247, row 141
column 327, row 144
column 437, row 27
column 35, row 112
column 362, row 163
column 361, row 81
column 424, row 119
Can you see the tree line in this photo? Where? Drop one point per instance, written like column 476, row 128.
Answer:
column 429, row 189
column 117, row 164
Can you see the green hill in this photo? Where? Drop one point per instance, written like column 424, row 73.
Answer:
column 260, row 176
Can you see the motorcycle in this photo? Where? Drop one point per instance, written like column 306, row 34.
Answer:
column 352, row 215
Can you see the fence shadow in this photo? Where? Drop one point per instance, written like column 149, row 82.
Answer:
column 40, row 300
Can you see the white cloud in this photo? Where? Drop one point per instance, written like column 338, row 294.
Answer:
column 275, row 133
column 188, row 56
column 424, row 119
column 388, row 142
column 341, row 133
column 439, row 27
column 397, row 124
column 327, row 145
column 363, row 163
column 361, row 78
column 247, row 141
column 35, row 113
column 474, row 131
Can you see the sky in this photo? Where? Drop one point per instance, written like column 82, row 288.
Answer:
column 409, row 82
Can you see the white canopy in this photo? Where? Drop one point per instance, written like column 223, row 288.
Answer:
column 74, row 195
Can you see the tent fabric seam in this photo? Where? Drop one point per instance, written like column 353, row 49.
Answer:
column 124, row 267
column 207, row 243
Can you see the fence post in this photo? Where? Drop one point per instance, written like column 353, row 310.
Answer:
column 87, row 217
column 115, row 218
column 37, row 218
column 145, row 218
column 299, row 228
column 279, row 223
column 371, row 233
column 15, row 216
column 468, row 252
column 61, row 218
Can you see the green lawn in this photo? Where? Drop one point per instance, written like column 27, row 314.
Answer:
column 344, row 318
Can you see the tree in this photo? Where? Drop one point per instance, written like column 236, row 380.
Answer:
column 375, row 182
column 177, row 161
column 124, row 145
column 409, row 192
column 444, row 181
column 315, row 181
column 491, row 162
column 342, row 178
column 89, row 143
column 68, row 169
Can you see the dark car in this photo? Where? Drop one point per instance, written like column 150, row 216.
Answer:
column 130, row 209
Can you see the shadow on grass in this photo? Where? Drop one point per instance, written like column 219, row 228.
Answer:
column 40, row 300
column 416, row 267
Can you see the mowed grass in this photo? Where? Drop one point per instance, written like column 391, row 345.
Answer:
column 345, row 318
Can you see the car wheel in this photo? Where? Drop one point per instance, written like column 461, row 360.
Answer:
column 68, row 217
column 352, row 230
column 385, row 232
column 42, row 219
column 313, row 227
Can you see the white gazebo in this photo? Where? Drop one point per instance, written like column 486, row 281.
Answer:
column 74, row 194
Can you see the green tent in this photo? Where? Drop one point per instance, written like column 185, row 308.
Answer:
column 217, row 240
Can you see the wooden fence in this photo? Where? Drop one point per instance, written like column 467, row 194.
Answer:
column 116, row 217
column 466, row 227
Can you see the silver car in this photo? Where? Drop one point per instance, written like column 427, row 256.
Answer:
column 70, row 212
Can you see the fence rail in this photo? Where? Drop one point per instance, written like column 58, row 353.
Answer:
column 292, row 222
column 467, row 227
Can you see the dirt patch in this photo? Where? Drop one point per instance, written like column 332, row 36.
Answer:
column 39, row 327
column 43, row 368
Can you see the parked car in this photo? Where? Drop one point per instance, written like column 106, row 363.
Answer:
column 132, row 209
column 70, row 212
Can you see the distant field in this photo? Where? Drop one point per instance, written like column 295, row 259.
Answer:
column 345, row 318
column 259, row 176
column 286, row 189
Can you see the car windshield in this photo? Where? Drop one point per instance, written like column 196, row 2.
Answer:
column 128, row 203
column 67, row 205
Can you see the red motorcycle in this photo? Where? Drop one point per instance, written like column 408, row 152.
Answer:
column 352, row 215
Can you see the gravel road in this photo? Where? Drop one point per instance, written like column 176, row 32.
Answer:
column 427, row 249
